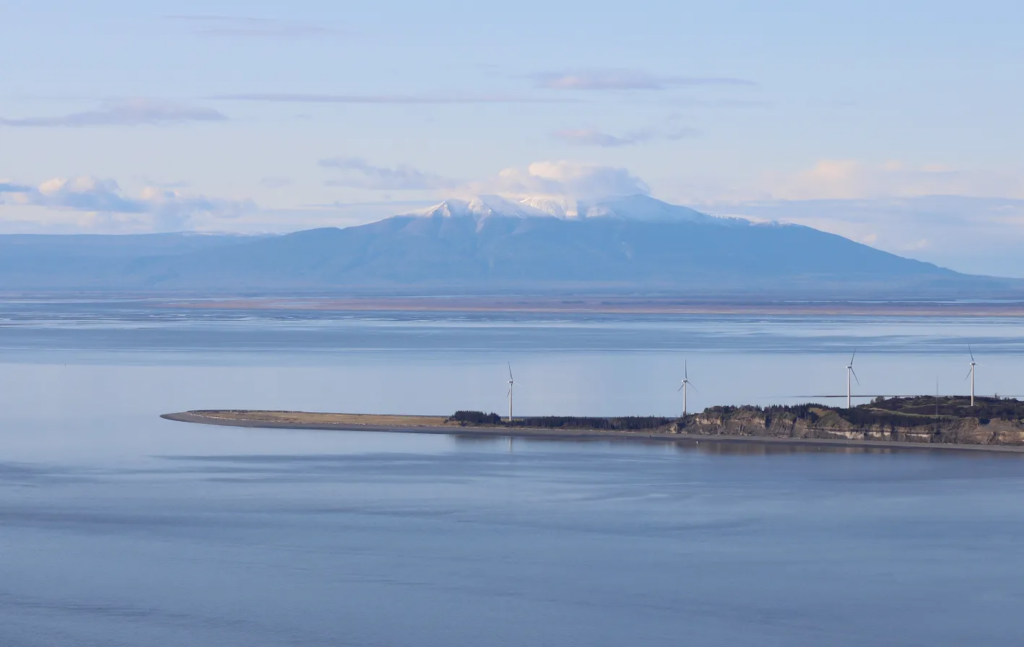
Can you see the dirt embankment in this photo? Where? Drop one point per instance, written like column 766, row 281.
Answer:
column 304, row 418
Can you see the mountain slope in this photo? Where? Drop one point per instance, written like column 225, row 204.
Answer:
column 39, row 261
column 492, row 245
column 514, row 252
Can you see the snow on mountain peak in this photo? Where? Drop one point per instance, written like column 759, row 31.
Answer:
column 558, row 206
column 481, row 206
column 638, row 208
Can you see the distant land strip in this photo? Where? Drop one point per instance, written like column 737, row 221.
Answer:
column 673, row 432
column 652, row 306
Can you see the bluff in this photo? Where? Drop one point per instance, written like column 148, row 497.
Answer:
column 914, row 420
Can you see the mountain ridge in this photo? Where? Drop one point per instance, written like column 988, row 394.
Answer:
column 625, row 244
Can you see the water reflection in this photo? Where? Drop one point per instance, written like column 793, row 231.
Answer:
column 722, row 447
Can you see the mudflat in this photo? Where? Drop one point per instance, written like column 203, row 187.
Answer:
column 616, row 305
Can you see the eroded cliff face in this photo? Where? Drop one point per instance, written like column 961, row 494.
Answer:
column 755, row 423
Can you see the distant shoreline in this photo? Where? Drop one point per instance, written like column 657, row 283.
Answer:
column 611, row 305
column 436, row 425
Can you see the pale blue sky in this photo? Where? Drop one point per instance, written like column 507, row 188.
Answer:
column 273, row 116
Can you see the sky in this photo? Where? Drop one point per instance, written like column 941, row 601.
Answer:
column 893, row 123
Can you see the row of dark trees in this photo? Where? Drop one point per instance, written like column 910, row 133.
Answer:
column 625, row 423
column 893, row 412
column 475, row 418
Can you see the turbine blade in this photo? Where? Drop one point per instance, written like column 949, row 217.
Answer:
column 855, row 376
column 680, row 388
column 686, row 373
column 970, row 351
column 509, row 393
column 693, row 387
column 510, row 370
column 969, row 374
column 853, row 357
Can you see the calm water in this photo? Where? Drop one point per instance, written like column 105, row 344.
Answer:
column 119, row 528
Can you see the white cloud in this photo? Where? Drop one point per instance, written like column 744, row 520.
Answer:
column 132, row 112
column 852, row 180
column 563, row 179
column 155, row 208
column 439, row 98
column 625, row 79
column 566, row 179
column 595, row 137
column 550, row 179
column 360, row 174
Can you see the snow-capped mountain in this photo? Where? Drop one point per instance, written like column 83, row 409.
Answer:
column 490, row 244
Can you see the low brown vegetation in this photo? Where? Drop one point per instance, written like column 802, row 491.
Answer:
column 339, row 419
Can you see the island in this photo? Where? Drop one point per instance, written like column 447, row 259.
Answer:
column 920, row 422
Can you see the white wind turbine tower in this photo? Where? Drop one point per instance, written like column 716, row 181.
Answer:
column 971, row 374
column 685, row 385
column 510, row 383
column 851, row 375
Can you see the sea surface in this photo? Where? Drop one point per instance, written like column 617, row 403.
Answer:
column 120, row 528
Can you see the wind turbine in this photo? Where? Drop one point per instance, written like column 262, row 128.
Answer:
column 683, row 387
column 510, row 383
column 971, row 374
column 851, row 374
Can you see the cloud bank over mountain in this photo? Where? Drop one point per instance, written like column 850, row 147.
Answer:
column 559, row 179
column 154, row 209
column 565, row 179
